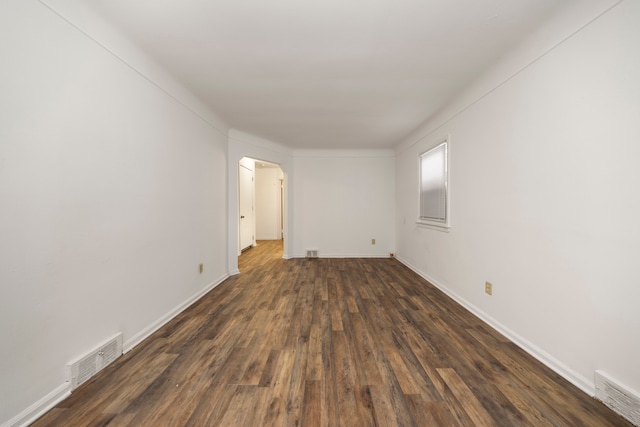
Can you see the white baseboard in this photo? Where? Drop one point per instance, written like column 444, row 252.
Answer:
column 39, row 408
column 321, row 255
column 43, row 405
column 551, row 362
column 146, row 332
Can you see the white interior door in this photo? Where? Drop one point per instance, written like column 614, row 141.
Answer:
column 245, row 197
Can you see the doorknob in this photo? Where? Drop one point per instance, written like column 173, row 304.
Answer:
column 241, row 216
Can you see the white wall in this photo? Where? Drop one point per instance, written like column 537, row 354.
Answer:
column 110, row 197
column 342, row 200
column 268, row 203
column 351, row 182
column 545, row 201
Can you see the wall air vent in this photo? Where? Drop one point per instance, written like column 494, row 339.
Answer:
column 312, row 253
column 90, row 364
column 618, row 397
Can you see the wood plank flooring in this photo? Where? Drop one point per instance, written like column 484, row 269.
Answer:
column 327, row 342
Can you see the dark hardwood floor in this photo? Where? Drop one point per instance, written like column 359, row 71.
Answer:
column 327, row 342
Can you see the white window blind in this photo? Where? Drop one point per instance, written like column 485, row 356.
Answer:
column 433, row 184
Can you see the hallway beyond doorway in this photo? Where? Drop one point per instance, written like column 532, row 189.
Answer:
column 263, row 252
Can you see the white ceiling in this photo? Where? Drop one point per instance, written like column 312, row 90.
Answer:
column 326, row 73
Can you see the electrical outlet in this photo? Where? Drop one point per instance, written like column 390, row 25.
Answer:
column 201, row 268
column 488, row 288
column 373, row 241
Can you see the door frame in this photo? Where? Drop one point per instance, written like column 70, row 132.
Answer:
column 251, row 220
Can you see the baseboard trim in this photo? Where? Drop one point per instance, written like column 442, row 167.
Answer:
column 146, row 332
column 548, row 360
column 347, row 256
column 38, row 409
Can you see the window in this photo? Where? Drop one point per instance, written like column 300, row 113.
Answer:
column 434, row 182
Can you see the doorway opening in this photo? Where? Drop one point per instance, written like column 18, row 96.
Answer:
column 261, row 207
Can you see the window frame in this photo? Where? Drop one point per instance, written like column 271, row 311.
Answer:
column 434, row 223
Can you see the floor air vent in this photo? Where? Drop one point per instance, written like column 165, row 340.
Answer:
column 312, row 253
column 618, row 397
column 89, row 365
